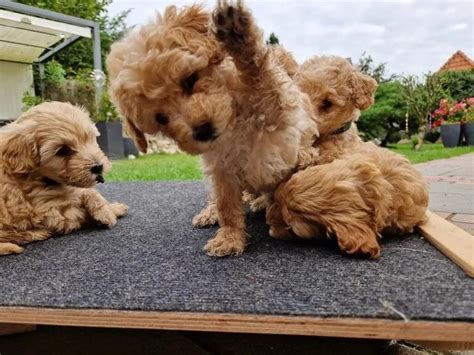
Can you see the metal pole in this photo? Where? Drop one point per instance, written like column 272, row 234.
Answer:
column 41, row 75
column 97, row 64
column 97, row 53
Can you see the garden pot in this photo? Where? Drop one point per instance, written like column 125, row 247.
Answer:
column 432, row 136
column 451, row 134
column 110, row 139
column 469, row 133
column 130, row 148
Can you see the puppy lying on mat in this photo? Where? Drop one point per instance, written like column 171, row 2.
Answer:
column 49, row 162
column 218, row 92
column 359, row 190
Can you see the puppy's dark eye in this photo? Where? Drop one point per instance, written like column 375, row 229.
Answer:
column 64, row 151
column 189, row 82
column 162, row 119
column 326, row 104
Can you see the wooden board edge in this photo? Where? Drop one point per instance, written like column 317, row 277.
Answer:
column 452, row 241
column 370, row 328
column 14, row 328
column 446, row 345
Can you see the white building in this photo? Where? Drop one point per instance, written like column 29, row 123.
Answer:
column 31, row 35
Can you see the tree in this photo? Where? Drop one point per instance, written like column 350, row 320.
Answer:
column 386, row 117
column 79, row 55
column 273, row 39
column 422, row 98
column 367, row 66
column 459, row 84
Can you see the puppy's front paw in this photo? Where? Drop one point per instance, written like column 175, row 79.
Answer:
column 120, row 209
column 261, row 203
column 228, row 241
column 231, row 24
column 10, row 248
column 363, row 245
column 280, row 232
column 105, row 216
column 206, row 218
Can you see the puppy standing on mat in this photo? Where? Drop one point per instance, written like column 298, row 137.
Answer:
column 242, row 112
column 360, row 190
column 49, row 162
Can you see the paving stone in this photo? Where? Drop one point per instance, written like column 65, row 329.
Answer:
column 468, row 227
column 444, row 215
column 463, row 218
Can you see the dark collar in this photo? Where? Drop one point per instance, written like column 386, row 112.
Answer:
column 345, row 127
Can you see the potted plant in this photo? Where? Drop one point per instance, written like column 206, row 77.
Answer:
column 468, row 128
column 110, row 128
column 448, row 116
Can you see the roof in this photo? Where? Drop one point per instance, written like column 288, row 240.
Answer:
column 24, row 38
column 458, row 61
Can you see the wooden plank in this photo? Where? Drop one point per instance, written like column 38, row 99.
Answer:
column 446, row 345
column 452, row 241
column 244, row 323
column 10, row 328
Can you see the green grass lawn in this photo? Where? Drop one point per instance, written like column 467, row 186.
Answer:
column 429, row 152
column 186, row 167
column 156, row 167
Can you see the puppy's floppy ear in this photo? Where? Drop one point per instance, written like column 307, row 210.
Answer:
column 137, row 135
column 363, row 90
column 20, row 152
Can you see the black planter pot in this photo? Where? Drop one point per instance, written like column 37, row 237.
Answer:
column 469, row 133
column 110, row 139
column 130, row 148
column 451, row 134
column 432, row 137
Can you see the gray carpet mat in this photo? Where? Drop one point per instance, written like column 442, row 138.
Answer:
column 153, row 260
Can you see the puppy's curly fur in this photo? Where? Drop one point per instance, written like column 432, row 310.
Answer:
column 359, row 190
column 211, row 84
column 49, row 160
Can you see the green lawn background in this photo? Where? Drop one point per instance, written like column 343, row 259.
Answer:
column 187, row 167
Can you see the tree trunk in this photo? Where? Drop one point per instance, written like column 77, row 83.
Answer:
column 421, row 135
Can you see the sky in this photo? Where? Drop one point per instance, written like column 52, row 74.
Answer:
column 410, row 36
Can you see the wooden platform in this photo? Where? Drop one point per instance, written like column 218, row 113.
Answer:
column 149, row 272
column 240, row 323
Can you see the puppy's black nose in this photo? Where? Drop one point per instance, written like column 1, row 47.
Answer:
column 97, row 169
column 204, row 132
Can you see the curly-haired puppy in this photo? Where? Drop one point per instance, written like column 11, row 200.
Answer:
column 211, row 84
column 49, row 162
column 359, row 190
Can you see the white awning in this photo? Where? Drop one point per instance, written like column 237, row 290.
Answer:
column 24, row 38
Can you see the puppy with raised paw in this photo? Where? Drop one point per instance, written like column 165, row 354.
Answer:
column 49, row 164
column 209, row 82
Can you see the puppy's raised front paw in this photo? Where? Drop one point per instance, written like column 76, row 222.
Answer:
column 10, row 248
column 231, row 23
column 105, row 216
column 120, row 209
column 228, row 241
column 206, row 218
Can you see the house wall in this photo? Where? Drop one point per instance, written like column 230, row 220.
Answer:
column 15, row 79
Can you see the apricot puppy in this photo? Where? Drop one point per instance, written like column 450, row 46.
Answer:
column 359, row 191
column 211, row 84
column 49, row 163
